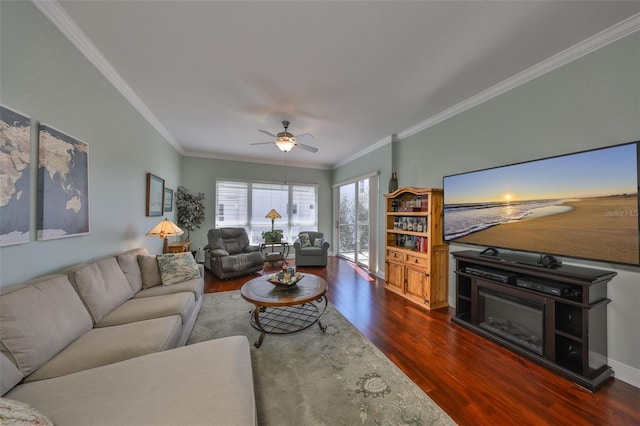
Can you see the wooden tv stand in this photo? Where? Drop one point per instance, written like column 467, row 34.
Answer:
column 573, row 329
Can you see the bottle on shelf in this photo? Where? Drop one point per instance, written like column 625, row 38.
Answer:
column 393, row 182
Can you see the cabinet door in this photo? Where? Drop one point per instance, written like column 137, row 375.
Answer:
column 395, row 276
column 417, row 281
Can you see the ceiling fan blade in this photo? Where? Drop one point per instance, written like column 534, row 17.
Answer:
column 261, row 143
column 268, row 133
column 307, row 147
column 304, row 137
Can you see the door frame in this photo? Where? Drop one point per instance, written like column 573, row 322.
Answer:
column 374, row 190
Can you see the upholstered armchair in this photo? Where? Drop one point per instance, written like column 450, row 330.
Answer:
column 311, row 249
column 230, row 255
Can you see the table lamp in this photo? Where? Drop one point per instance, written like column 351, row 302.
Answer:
column 164, row 230
column 273, row 215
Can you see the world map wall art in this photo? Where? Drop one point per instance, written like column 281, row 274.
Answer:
column 63, row 185
column 15, row 177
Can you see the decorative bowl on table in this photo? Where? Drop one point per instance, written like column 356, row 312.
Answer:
column 286, row 280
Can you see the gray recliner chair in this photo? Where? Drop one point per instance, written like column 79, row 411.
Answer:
column 311, row 251
column 230, row 255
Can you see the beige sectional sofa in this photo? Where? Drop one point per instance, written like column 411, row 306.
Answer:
column 102, row 344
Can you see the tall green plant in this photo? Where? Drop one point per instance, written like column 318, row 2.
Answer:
column 190, row 210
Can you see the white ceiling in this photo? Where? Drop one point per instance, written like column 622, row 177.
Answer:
column 210, row 74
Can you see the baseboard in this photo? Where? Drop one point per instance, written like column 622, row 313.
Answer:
column 625, row 373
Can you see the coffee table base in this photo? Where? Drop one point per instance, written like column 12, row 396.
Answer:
column 287, row 319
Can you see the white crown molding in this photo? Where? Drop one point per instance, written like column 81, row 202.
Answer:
column 54, row 12
column 591, row 44
column 257, row 160
column 370, row 148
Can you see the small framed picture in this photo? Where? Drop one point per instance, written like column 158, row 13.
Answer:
column 168, row 200
column 155, row 195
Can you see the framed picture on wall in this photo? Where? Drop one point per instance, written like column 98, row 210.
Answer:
column 63, row 185
column 15, row 163
column 168, row 200
column 155, row 195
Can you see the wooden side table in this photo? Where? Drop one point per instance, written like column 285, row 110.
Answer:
column 179, row 247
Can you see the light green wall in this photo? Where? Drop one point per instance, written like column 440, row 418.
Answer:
column 200, row 174
column 589, row 103
column 45, row 77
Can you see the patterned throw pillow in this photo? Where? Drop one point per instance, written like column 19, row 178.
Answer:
column 318, row 242
column 177, row 267
column 18, row 413
column 304, row 240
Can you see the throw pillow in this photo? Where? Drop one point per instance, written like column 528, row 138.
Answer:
column 149, row 270
column 318, row 242
column 18, row 413
column 178, row 267
column 304, row 240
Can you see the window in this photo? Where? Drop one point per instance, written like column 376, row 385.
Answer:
column 245, row 204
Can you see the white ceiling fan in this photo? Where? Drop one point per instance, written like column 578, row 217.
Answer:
column 286, row 141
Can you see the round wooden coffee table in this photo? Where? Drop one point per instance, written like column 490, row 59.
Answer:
column 284, row 310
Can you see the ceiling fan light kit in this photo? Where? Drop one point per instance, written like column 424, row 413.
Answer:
column 285, row 145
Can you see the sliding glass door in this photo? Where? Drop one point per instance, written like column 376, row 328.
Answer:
column 354, row 221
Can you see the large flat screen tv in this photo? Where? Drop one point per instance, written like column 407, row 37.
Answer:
column 582, row 205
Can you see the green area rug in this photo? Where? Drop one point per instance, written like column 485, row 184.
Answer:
column 309, row 378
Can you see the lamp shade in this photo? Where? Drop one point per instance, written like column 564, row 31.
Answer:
column 165, row 229
column 273, row 214
column 285, row 145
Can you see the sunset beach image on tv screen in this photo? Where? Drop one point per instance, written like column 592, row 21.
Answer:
column 582, row 205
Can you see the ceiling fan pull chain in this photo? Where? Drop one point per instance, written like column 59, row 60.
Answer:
column 285, row 167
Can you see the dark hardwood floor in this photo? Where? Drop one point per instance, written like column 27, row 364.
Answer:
column 477, row 382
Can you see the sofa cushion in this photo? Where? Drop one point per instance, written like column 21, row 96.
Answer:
column 209, row 383
column 195, row 286
column 304, row 240
column 318, row 242
column 149, row 270
column 39, row 318
column 102, row 346
column 311, row 251
column 131, row 268
column 145, row 308
column 101, row 285
column 9, row 374
column 177, row 267
column 18, row 413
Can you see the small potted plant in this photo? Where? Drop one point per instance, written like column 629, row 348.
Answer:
column 273, row 236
